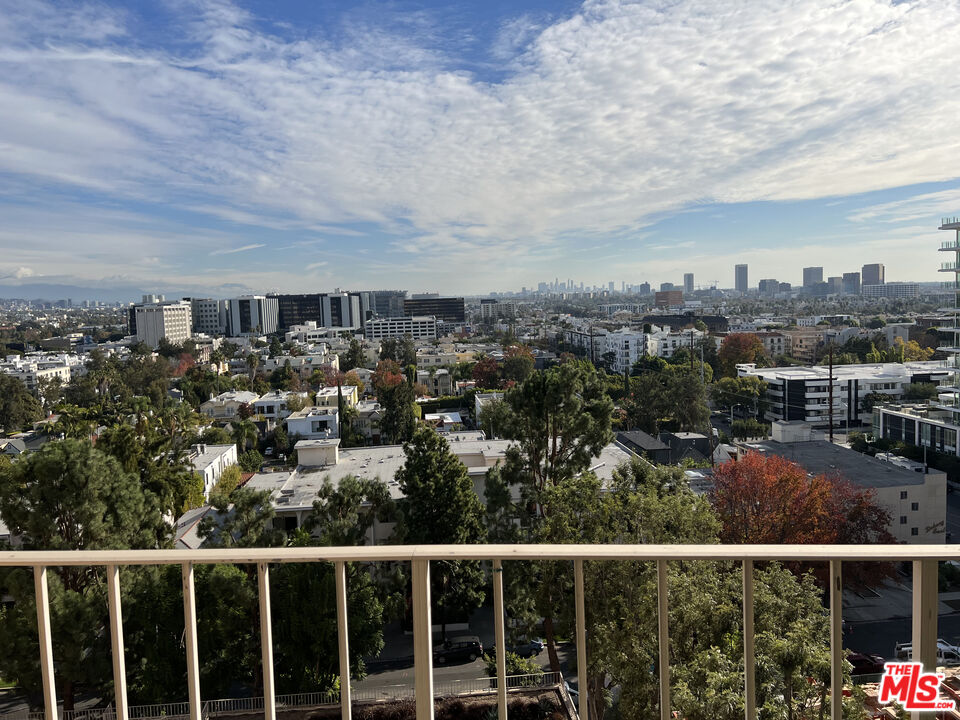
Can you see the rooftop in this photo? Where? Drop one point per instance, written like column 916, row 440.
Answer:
column 821, row 456
column 842, row 372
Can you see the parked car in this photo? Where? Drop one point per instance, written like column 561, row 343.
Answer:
column 525, row 649
column 465, row 647
column 865, row 664
column 947, row 654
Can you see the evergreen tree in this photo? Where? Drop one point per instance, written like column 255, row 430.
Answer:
column 440, row 506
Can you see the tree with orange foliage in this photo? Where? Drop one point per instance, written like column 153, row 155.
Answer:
column 740, row 348
column 766, row 499
column 487, row 373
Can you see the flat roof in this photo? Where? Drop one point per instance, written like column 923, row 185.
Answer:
column 821, row 456
column 843, row 372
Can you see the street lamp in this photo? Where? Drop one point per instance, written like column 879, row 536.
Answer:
column 731, row 411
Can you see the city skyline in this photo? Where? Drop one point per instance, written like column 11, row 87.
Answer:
column 225, row 147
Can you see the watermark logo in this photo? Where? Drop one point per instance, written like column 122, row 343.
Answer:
column 907, row 684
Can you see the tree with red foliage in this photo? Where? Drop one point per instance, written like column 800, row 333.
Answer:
column 387, row 375
column 740, row 348
column 766, row 499
column 184, row 363
column 486, row 373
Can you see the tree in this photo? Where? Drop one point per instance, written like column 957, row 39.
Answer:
column 402, row 351
column 351, row 378
column 486, row 373
column 18, row 408
column 251, row 460
column 920, row 391
column 517, row 363
column 740, row 348
column 253, row 362
column 244, row 434
column 354, row 357
column 68, row 496
column 770, row 500
column 440, row 506
column 560, row 420
column 397, row 398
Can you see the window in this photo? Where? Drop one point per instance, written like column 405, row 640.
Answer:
column 914, row 531
column 915, row 506
column 903, row 494
column 903, row 519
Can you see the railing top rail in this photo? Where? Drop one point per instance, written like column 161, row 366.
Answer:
column 401, row 553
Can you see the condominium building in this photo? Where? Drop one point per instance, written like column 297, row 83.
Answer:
column 851, row 283
column 491, row 309
column 418, row 327
column 210, row 461
column 688, row 283
column 172, row 321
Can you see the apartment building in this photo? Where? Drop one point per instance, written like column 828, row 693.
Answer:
column 891, row 290
column 419, row 327
column 226, row 405
column 209, row 316
column 210, row 461
column 438, row 382
column 916, row 500
column 920, row 424
column 33, row 369
column 273, row 405
column 314, row 423
column 802, row 393
column 329, row 397
column 173, row 321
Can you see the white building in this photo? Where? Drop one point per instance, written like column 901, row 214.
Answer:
column 419, row 327
column 891, row 290
column 802, row 393
column 209, row 316
column 210, row 461
column 226, row 405
column 252, row 315
column 491, row 309
column 35, row 368
column 172, row 321
column 273, row 405
column 314, row 423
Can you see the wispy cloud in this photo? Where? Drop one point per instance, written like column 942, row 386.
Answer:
column 314, row 266
column 243, row 248
column 604, row 120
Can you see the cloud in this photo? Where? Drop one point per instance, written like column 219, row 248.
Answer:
column 19, row 273
column 243, row 248
column 314, row 266
column 610, row 116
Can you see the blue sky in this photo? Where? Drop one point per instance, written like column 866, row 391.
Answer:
column 215, row 146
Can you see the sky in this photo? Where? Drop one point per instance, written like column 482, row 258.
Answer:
column 222, row 147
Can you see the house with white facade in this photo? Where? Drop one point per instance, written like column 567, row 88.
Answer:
column 273, row 405
column 314, row 423
column 226, row 405
column 210, row 461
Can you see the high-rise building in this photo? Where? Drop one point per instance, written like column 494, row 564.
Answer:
column 812, row 276
column 872, row 274
column 209, row 316
column 340, row 310
column 610, row 287
column 835, row 284
column 252, row 315
column 768, row 286
column 740, row 275
column 163, row 320
column 851, row 283
column 389, row 303
column 688, row 283
column 667, row 286
column 445, row 309
column 298, row 310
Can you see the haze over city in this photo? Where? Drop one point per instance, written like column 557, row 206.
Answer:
column 224, row 147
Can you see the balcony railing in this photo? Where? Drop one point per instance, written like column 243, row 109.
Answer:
column 924, row 559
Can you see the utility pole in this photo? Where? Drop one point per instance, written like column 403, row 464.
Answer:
column 830, row 393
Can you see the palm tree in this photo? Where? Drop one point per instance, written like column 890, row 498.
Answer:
column 253, row 362
column 244, row 431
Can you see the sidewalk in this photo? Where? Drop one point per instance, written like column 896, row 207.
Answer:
column 893, row 600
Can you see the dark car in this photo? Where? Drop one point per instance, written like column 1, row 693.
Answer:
column 525, row 649
column 865, row 664
column 465, row 647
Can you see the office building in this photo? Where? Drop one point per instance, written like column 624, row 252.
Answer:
column 389, row 303
column 643, row 289
column 835, row 285
column 172, row 321
column 298, row 309
column 444, row 309
column 209, row 316
column 768, row 286
column 419, row 327
column 891, row 290
column 252, row 315
column 740, row 278
column 851, row 283
column 341, row 310
column 688, row 283
column 812, row 276
column 668, row 298
column 872, row 274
